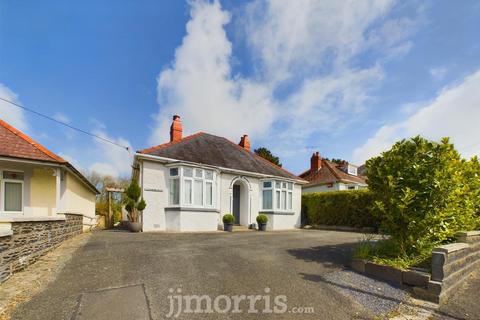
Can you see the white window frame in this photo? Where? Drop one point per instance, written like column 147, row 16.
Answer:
column 272, row 189
column 194, row 178
column 282, row 187
column 22, row 182
column 170, row 180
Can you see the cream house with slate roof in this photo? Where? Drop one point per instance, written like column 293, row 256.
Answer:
column 190, row 182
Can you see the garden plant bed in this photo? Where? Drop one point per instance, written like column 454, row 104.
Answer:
column 451, row 265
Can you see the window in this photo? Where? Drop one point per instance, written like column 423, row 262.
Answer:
column 175, row 191
column 277, row 199
column 174, row 194
column 198, row 198
column 12, row 191
column 209, row 174
column 192, row 187
column 187, row 172
column 187, row 192
column 283, row 192
column 352, row 170
column 209, row 193
column 267, row 199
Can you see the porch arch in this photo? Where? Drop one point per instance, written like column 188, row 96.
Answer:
column 241, row 199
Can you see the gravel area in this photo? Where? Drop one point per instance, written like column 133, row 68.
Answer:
column 377, row 296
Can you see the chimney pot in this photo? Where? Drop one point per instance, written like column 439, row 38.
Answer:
column 315, row 162
column 176, row 129
column 245, row 142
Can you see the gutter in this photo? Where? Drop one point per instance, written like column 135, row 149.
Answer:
column 223, row 169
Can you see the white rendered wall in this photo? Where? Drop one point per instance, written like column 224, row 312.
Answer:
column 153, row 180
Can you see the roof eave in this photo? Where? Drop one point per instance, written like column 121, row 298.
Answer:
column 66, row 165
column 255, row 174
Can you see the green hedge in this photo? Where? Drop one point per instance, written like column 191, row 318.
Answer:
column 340, row 208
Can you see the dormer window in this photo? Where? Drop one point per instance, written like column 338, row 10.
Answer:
column 352, row 170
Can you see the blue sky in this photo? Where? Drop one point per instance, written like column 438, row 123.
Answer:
column 344, row 78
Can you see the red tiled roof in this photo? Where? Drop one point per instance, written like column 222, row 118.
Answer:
column 18, row 145
column 330, row 173
column 15, row 144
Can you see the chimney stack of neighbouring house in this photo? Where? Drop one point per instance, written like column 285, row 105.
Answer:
column 315, row 162
column 245, row 142
column 176, row 129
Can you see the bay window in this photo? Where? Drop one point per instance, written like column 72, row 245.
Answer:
column 278, row 195
column 12, row 191
column 191, row 187
column 174, row 187
column 267, row 195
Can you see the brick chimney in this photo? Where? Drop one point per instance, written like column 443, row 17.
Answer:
column 315, row 162
column 176, row 129
column 245, row 142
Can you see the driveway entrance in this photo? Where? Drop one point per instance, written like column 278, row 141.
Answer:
column 153, row 270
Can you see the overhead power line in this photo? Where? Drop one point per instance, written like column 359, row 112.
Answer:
column 65, row 124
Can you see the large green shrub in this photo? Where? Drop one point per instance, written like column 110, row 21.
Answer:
column 340, row 208
column 424, row 192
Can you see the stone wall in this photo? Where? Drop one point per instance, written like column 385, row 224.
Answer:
column 29, row 240
column 451, row 265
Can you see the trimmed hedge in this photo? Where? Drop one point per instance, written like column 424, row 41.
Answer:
column 340, row 208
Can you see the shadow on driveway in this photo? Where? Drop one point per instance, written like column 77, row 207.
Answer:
column 328, row 255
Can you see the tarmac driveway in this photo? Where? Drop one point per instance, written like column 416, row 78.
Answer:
column 120, row 275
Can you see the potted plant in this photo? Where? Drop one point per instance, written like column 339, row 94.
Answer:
column 262, row 222
column 134, row 204
column 228, row 221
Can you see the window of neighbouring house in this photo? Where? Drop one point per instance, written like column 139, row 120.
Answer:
column 352, row 170
column 278, row 195
column 12, row 186
column 192, row 187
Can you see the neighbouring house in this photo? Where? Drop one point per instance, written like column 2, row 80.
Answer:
column 325, row 175
column 189, row 183
column 37, row 184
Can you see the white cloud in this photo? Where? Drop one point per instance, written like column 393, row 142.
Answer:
column 438, row 73
column 329, row 103
column 111, row 159
column 305, row 80
column 293, row 36
column 9, row 113
column 200, row 86
column 61, row 117
column 453, row 113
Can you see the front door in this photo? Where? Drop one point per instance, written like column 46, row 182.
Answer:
column 236, row 203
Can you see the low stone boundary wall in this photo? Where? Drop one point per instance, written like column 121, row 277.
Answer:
column 451, row 265
column 25, row 241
